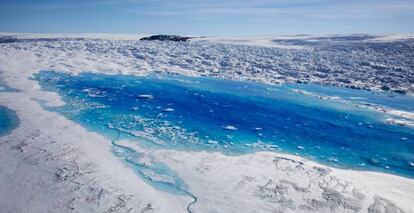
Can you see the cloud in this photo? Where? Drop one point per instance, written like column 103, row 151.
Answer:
column 56, row 5
column 312, row 9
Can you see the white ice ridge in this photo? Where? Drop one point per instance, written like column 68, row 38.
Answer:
column 51, row 164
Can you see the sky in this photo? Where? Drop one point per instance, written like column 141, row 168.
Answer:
column 207, row 17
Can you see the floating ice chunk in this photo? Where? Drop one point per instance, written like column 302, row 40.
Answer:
column 212, row 142
column 303, row 92
column 146, row 96
column 168, row 110
column 93, row 93
column 230, row 128
column 262, row 145
column 333, row 159
column 229, row 136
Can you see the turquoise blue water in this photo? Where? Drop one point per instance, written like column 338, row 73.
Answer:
column 8, row 120
column 236, row 117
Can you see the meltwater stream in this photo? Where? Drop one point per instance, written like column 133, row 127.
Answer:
column 335, row 126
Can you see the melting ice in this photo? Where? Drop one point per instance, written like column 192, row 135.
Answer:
column 8, row 120
column 340, row 127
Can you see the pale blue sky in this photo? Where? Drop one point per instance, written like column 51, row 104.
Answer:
column 208, row 17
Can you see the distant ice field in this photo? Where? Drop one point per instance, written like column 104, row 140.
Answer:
column 370, row 62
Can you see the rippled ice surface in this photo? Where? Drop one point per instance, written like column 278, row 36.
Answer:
column 333, row 127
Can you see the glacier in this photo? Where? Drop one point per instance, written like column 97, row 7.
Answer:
column 58, row 159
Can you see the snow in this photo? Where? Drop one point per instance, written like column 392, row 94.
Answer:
column 267, row 181
column 51, row 164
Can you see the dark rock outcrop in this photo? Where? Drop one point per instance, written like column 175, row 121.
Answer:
column 166, row 38
column 7, row 39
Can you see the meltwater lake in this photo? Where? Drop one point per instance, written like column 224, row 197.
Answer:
column 334, row 126
column 8, row 120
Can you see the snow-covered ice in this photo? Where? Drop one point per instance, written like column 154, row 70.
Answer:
column 51, row 164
